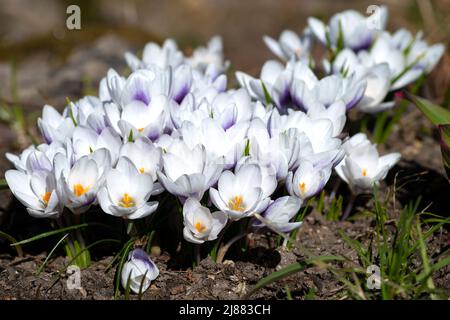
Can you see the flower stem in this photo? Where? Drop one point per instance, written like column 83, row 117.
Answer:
column 349, row 207
column 197, row 254
column 224, row 248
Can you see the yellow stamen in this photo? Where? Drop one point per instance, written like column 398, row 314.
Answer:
column 142, row 170
column 79, row 190
column 199, row 227
column 302, row 187
column 141, row 129
column 127, row 201
column 236, row 204
column 46, row 197
column 364, row 172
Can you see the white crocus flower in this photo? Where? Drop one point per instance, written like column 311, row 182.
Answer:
column 206, row 87
column 219, row 144
column 36, row 191
column 189, row 110
column 144, row 155
column 138, row 120
column 111, row 87
column 336, row 113
column 385, row 51
column 161, row 56
column 355, row 141
column 240, row 195
column 307, row 180
column 290, row 45
column 143, row 85
column 271, row 72
column 417, row 51
column 279, row 213
column 20, row 161
column 362, row 167
column 188, row 172
column 54, row 126
column 85, row 141
column 88, row 112
column 38, row 158
column 81, row 183
column 356, row 30
column 318, row 146
column 296, row 86
column 200, row 224
column 210, row 60
column 126, row 192
column 139, row 271
column 377, row 76
column 408, row 58
column 327, row 91
column 268, row 174
column 270, row 151
column 143, row 113
column 231, row 107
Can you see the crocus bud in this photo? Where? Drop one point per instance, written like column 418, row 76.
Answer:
column 140, row 269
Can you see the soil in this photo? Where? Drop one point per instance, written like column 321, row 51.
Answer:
column 43, row 78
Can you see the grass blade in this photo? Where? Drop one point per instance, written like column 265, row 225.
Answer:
column 291, row 269
column 51, row 252
column 3, row 184
column 278, row 275
column 50, row 233
column 12, row 240
column 436, row 114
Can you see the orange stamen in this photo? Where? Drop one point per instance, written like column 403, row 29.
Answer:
column 236, row 204
column 46, row 197
column 127, row 201
column 79, row 190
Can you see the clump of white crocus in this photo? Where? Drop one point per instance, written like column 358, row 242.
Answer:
column 240, row 195
column 279, row 213
column 307, row 180
column 126, row 192
column 139, row 271
column 362, row 166
column 200, row 224
column 37, row 191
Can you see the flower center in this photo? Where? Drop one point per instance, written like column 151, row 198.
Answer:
column 236, row 204
column 127, row 201
column 302, row 187
column 46, row 197
column 141, row 169
column 364, row 172
column 199, row 226
column 141, row 129
column 79, row 190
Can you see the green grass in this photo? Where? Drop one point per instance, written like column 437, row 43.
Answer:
column 398, row 247
column 402, row 256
